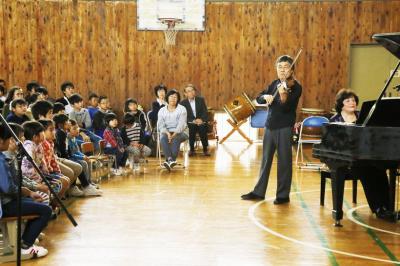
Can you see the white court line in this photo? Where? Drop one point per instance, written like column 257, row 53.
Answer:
column 252, row 217
column 349, row 215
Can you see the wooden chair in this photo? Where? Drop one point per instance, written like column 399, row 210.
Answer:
column 325, row 173
column 8, row 227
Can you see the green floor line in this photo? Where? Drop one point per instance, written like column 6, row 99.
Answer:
column 374, row 236
column 315, row 226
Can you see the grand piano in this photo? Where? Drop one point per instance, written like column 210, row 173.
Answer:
column 373, row 140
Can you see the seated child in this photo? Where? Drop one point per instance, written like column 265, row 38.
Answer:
column 18, row 112
column 58, row 108
column 34, row 137
column 133, row 136
column 99, row 124
column 114, row 143
column 49, row 154
column 77, row 156
column 82, row 117
column 132, row 107
column 63, row 125
column 31, row 203
column 42, row 110
column 11, row 157
column 93, row 103
column 78, row 113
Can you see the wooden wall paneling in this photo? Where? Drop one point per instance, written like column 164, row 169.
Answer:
column 225, row 54
column 203, row 69
column 236, row 49
column 119, row 51
column 268, row 67
column 108, row 60
column 46, row 73
column 141, row 59
column 210, row 61
column 249, row 53
column 185, row 58
column 334, row 63
column 92, row 60
column 258, row 35
column 3, row 71
column 133, row 67
column 65, row 56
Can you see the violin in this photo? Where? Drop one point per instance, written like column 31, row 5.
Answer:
column 288, row 82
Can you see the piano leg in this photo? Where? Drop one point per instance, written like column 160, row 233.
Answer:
column 338, row 178
column 392, row 189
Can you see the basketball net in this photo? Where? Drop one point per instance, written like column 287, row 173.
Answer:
column 171, row 32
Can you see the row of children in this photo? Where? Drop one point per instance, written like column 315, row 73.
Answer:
column 92, row 120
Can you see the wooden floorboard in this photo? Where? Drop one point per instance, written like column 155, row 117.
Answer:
column 196, row 217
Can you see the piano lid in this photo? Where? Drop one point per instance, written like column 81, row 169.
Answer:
column 391, row 41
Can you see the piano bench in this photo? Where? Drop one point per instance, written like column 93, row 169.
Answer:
column 327, row 174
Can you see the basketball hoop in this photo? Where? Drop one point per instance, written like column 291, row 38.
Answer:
column 170, row 32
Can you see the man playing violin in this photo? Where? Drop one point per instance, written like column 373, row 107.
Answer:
column 282, row 96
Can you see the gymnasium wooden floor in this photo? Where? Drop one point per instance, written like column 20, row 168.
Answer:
column 196, row 217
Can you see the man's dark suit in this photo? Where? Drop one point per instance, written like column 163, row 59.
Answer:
column 201, row 112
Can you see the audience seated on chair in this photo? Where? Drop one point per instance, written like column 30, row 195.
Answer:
column 14, row 93
column 172, row 128
column 160, row 92
column 42, row 110
column 114, row 143
column 34, row 136
column 31, row 202
column 58, row 108
column 18, row 112
column 132, row 107
column 68, row 89
column 99, row 124
column 67, row 148
column 93, row 104
column 3, row 92
column 197, row 118
column 82, row 117
column 11, row 155
column 134, row 139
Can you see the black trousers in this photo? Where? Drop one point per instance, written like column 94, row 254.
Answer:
column 202, row 130
column 279, row 140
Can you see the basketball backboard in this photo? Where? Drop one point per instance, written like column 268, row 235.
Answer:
column 191, row 12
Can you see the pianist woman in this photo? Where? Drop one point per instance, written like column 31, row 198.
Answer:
column 373, row 177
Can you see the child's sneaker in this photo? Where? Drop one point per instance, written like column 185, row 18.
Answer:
column 92, row 191
column 35, row 251
column 122, row 171
column 116, row 172
column 75, row 192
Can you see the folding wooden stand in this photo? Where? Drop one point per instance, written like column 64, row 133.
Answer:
column 236, row 127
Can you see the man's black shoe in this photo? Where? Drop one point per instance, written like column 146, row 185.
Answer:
column 278, row 201
column 385, row 214
column 252, row 196
column 206, row 153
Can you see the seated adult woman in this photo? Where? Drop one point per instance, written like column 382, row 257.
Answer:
column 373, row 178
column 172, row 127
column 160, row 91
